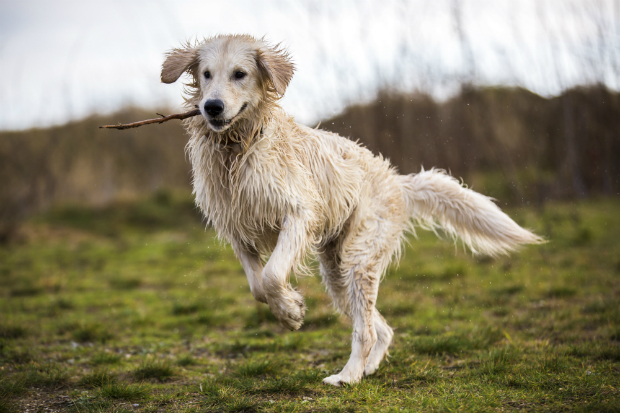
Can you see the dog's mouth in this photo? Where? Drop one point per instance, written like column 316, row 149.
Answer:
column 219, row 124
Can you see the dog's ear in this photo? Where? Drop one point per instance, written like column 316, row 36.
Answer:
column 276, row 64
column 177, row 62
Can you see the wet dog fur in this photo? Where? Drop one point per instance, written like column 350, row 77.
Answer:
column 277, row 191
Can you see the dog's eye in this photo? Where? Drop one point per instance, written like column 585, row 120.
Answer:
column 207, row 75
column 239, row 74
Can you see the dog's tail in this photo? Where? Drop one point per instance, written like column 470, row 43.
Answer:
column 435, row 199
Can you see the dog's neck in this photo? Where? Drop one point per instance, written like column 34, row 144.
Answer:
column 240, row 137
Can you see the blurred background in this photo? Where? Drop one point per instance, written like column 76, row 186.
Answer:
column 113, row 291
column 519, row 98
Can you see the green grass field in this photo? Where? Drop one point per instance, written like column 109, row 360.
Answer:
column 137, row 308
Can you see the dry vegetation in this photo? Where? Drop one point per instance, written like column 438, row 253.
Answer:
column 506, row 143
column 79, row 163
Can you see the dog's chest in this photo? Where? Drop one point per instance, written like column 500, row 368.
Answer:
column 244, row 197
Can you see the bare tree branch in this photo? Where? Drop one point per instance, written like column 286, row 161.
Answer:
column 163, row 119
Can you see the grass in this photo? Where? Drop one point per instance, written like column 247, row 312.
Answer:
column 186, row 360
column 254, row 368
column 8, row 331
column 97, row 378
column 136, row 304
column 150, row 369
column 452, row 344
column 105, row 358
column 90, row 333
column 124, row 391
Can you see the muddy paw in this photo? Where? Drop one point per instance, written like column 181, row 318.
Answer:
column 290, row 309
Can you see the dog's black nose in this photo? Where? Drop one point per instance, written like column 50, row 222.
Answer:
column 214, row 107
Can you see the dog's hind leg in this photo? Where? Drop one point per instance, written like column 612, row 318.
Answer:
column 380, row 349
column 340, row 284
column 362, row 292
column 361, row 258
column 383, row 331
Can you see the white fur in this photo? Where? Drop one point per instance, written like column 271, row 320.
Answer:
column 277, row 191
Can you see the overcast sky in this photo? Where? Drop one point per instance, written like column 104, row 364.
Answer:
column 63, row 60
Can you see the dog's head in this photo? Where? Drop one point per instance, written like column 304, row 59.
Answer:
column 232, row 76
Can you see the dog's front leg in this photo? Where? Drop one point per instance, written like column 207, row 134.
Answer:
column 253, row 267
column 285, row 303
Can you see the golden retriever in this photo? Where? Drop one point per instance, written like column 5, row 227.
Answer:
column 277, row 190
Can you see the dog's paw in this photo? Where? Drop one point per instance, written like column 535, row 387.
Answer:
column 289, row 308
column 335, row 380
column 340, row 379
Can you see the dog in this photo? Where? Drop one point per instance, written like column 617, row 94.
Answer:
column 278, row 191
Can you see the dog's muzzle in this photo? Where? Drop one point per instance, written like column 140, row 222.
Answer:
column 215, row 107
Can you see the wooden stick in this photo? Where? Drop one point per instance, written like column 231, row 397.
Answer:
column 163, row 119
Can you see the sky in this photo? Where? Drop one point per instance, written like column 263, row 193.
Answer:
column 63, row 60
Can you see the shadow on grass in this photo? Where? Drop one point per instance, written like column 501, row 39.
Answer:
column 86, row 332
column 97, row 378
column 125, row 391
column 152, row 369
column 235, row 393
column 254, row 368
column 12, row 331
column 455, row 344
